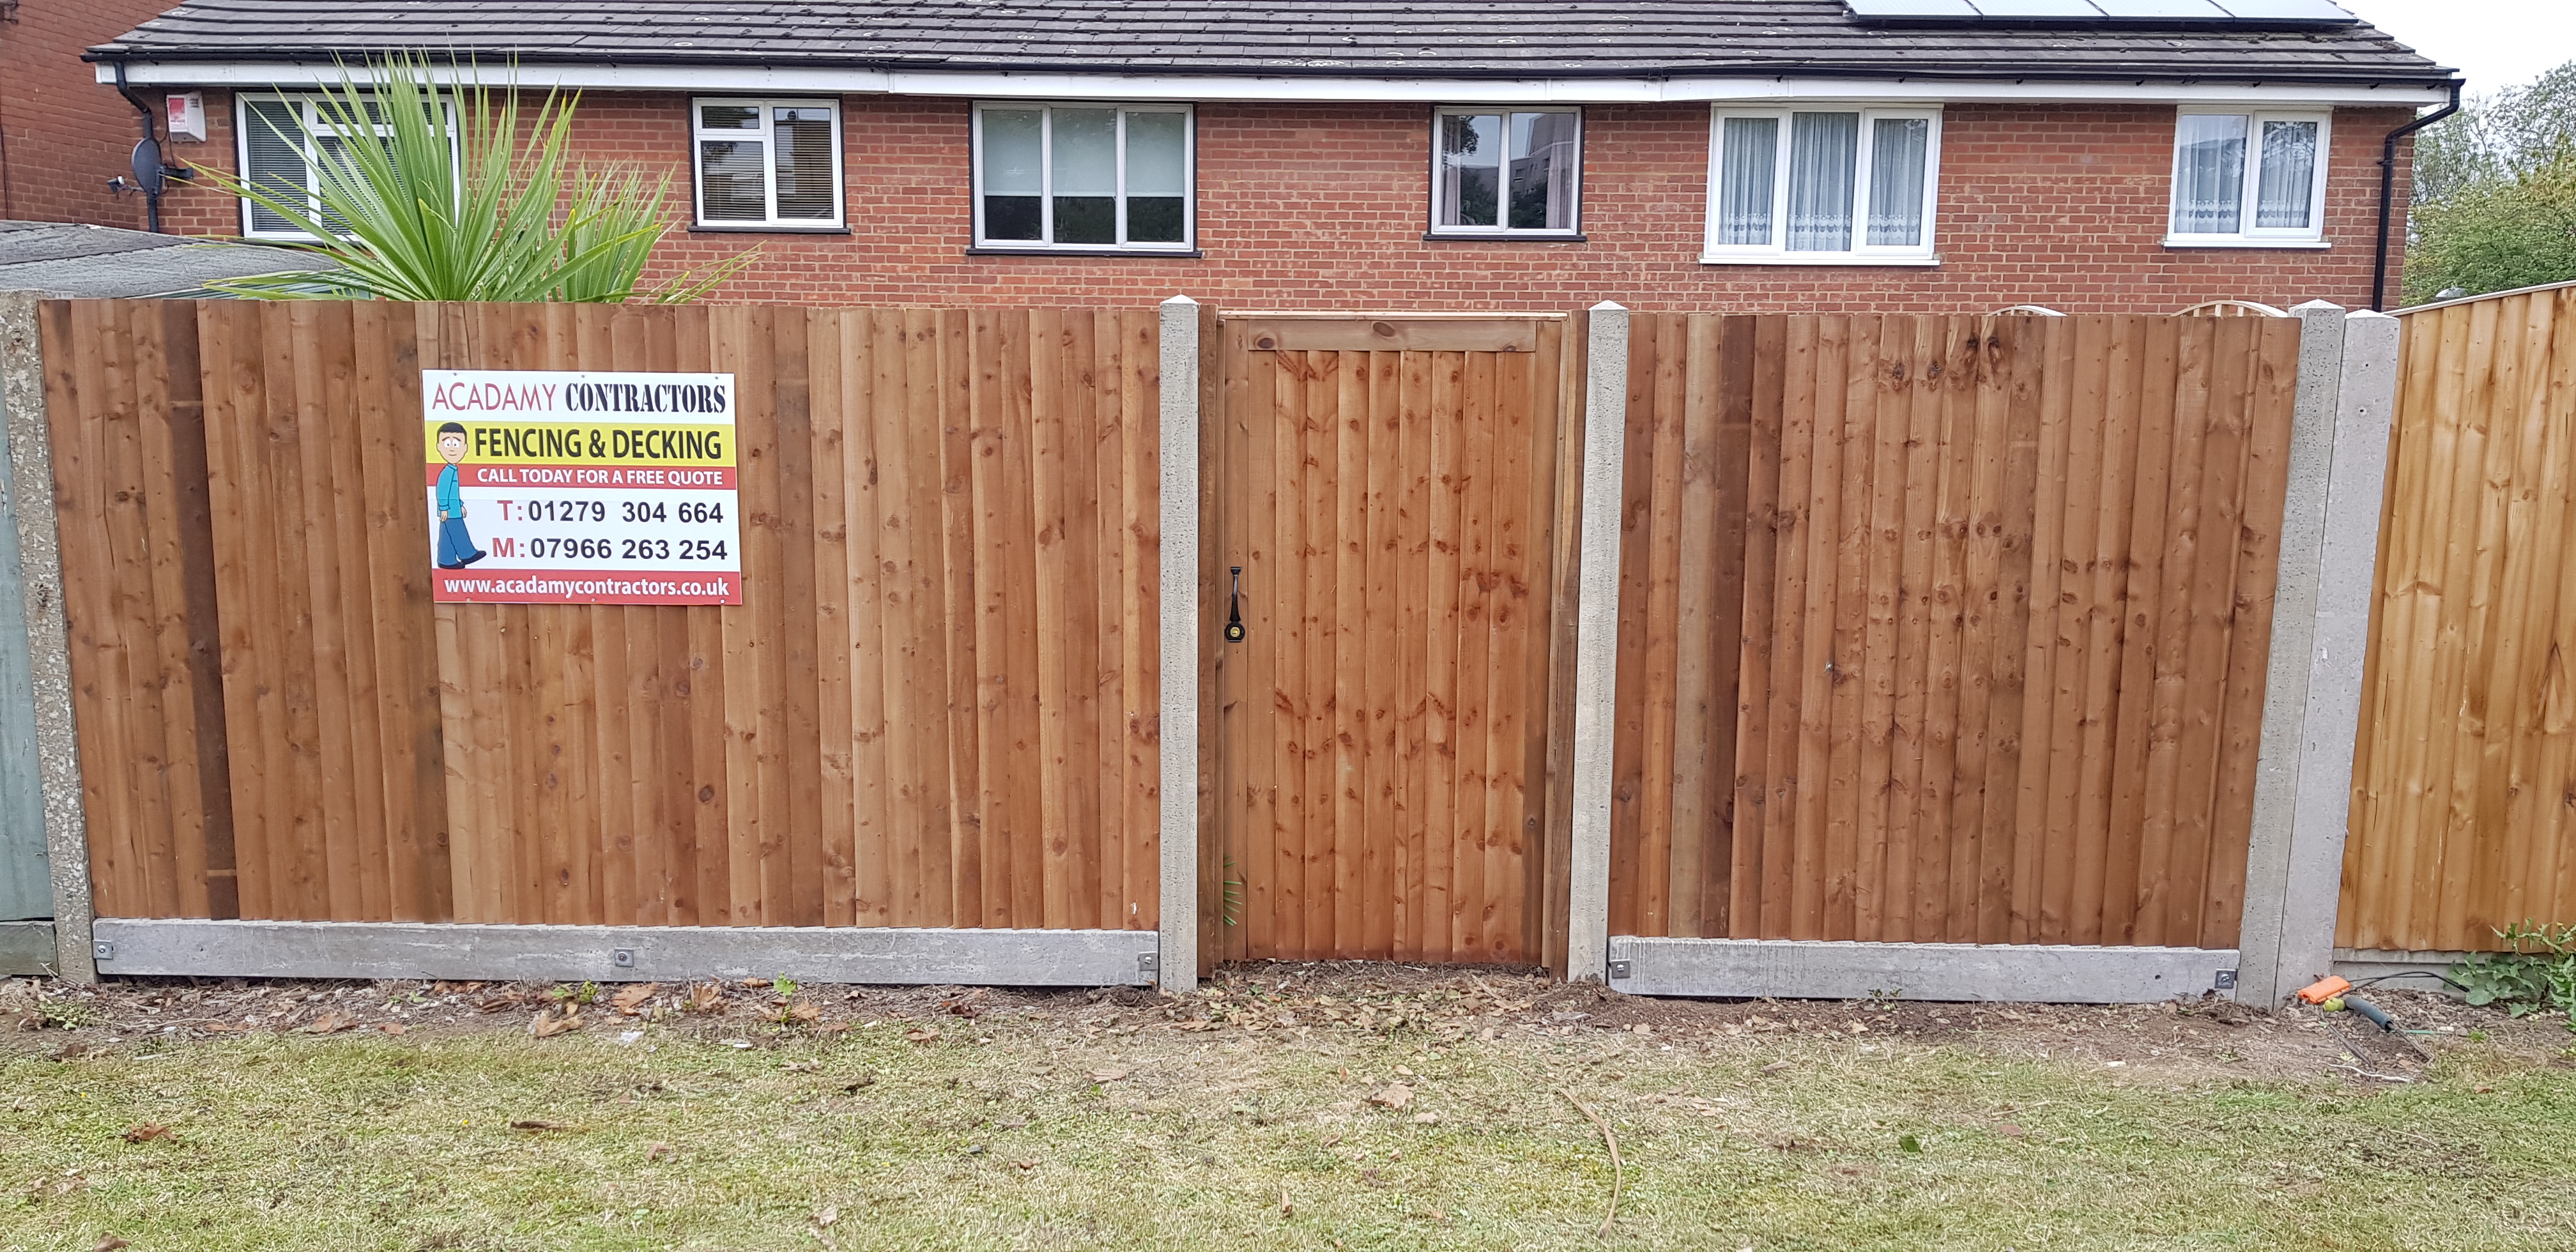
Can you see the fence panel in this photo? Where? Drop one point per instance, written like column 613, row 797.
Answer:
column 1998, row 591
column 2464, row 784
column 935, row 707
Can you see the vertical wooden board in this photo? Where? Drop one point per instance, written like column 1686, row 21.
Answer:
column 589, row 838
column 1003, row 529
column 1349, row 433
column 355, row 394
column 837, row 494
column 1693, row 773
column 961, row 607
column 128, row 676
column 77, row 403
column 1414, row 712
column 2480, row 727
column 228, row 343
column 1527, row 900
column 2052, row 373
column 307, row 823
column 1280, row 377
column 1745, row 522
column 168, row 815
column 1984, row 394
column 1821, row 641
column 2066, row 630
column 1476, row 541
column 1882, row 555
column 2495, row 702
column 1659, row 532
column 2024, row 351
column 1319, row 427
column 1144, row 595
column 400, row 613
column 182, row 580
column 2135, row 884
column 1936, row 836
column 2448, row 562
column 1381, row 652
column 938, row 867
column 1552, row 886
column 901, row 516
column 2542, row 870
column 1051, row 501
column 2107, row 569
column 1507, row 592
column 1112, row 399
column 1078, row 397
column 1444, row 671
column 2213, row 604
column 710, row 794
column 1254, row 436
column 1766, row 840
column 2270, row 403
column 1908, row 731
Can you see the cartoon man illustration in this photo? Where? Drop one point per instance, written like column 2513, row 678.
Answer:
column 456, row 548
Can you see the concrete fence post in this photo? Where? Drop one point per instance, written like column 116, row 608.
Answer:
column 35, row 575
column 2320, row 630
column 1596, row 642
column 1177, row 964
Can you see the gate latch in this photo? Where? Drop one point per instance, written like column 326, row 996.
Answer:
column 1234, row 609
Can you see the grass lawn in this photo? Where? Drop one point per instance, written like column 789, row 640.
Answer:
column 1058, row 1125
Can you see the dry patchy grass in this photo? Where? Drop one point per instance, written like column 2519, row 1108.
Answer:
column 1079, row 1123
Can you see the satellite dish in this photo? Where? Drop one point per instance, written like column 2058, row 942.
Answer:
column 147, row 167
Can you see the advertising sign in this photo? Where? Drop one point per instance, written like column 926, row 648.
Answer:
column 566, row 487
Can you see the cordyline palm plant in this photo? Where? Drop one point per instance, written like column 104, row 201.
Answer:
column 413, row 201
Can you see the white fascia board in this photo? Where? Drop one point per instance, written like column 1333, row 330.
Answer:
column 757, row 80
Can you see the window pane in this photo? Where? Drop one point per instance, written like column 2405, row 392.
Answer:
column 1155, row 143
column 1011, row 187
column 728, row 117
column 1899, row 147
column 1085, row 169
column 801, row 148
column 1471, row 154
column 1824, row 157
column 2284, row 194
column 1749, row 154
column 2209, row 174
column 1544, row 161
column 276, row 160
column 1156, row 176
column 731, row 187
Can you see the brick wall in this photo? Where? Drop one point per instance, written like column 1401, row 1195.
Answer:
column 63, row 134
column 1323, row 206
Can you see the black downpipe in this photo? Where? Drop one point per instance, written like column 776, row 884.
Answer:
column 2388, row 193
column 151, row 133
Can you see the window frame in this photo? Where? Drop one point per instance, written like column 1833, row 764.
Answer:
column 979, row 242
column 1862, row 252
column 1433, row 229
column 306, row 103
column 2248, row 235
column 773, row 224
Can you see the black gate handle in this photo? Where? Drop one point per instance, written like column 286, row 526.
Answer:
column 1234, row 609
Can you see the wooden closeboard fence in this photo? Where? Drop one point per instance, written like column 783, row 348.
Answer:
column 1945, row 628
column 939, row 712
column 2464, row 787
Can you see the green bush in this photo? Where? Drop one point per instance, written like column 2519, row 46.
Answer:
column 2535, row 973
column 454, row 203
column 2496, row 234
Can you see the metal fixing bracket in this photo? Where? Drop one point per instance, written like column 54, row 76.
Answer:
column 1149, row 963
column 622, row 958
column 2227, row 980
column 1619, row 969
column 102, row 950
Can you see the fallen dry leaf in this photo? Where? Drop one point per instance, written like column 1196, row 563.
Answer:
column 803, row 1011
column 1107, row 1075
column 392, row 1028
column 656, row 1150
column 546, row 1025
column 829, row 1215
column 630, row 999
column 921, row 1036
column 755, row 982
column 2010, row 1131
column 1392, row 1096
column 1426, row 1119
column 109, row 1243
column 148, row 1131
column 533, row 1124
column 833, row 1028
column 329, row 1024
column 705, row 997
column 1025, row 1164
column 1775, row 1067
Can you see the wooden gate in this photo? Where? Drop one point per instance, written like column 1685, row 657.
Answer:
column 1389, row 490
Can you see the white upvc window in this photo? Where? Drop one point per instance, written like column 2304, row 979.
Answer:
column 1822, row 185
column 278, row 140
column 1506, row 171
column 766, row 164
column 1084, row 177
column 2247, row 178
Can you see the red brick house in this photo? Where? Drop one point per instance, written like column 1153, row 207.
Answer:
column 62, row 135
column 1678, row 154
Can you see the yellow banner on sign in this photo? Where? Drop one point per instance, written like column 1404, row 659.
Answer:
column 590, row 443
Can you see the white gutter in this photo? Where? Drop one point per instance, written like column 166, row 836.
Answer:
column 758, row 80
